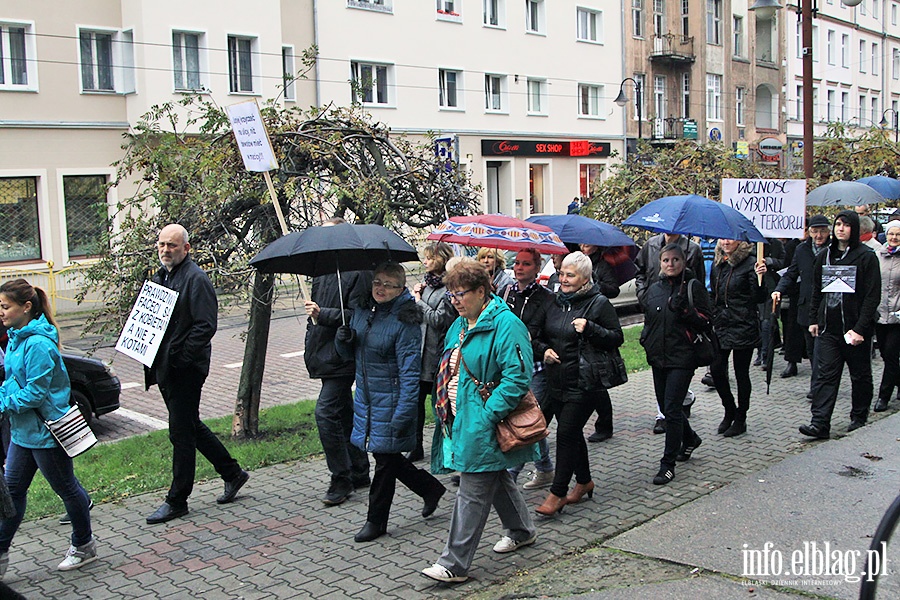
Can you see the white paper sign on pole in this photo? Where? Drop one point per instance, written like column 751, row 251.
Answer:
column 776, row 206
column 252, row 137
column 147, row 323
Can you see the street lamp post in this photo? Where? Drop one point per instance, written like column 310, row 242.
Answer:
column 884, row 123
column 622, row 99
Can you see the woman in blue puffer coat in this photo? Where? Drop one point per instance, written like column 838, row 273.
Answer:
column 386, row 337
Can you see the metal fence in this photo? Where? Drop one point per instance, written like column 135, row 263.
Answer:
column 62, row 286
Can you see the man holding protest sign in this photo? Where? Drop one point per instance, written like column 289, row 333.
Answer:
column 180, row 368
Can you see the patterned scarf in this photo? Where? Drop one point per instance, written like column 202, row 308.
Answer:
column 442, row 391
column 434, row 280
column 891, row 250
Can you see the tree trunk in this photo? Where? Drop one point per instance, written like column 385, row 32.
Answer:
column 245, row 423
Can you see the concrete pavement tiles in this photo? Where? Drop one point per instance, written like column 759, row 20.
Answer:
column 278, row 540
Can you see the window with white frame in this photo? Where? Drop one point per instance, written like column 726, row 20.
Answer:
column 447, row 7
column 449, row 85
column 639, row 100
column 379, row 5
column 829, row 105
column 861, row 7
column 86, row 213
column 739, row 106
column 738, row 30
column 893, row 13
column 685, row 95
column 537, row 96
column 637, row 18
column 18, row 58
column 799, row 115
column 861, row 110
column 714, row 22
column 659, row 18
column 862, row 56
column 590, row 25
column 495, row 93
column 845, row 106
column 685, row 18
column 875, row 11
column 874, row 58
column 589, row 100
column 845, row 51
column 107, row 60
column 798, row 33
column 815, row 43
column 815, row 107
column 875, row 113
column 20, row 234
column 713, row 97
column 186, row 60
column 370, row 83
column 830, row 41
column 494, row 13
column 895, row 63
column 242, row 64
column 289, row 73
column 660, row 102
column 535, row 20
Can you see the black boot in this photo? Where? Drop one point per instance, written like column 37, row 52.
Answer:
column 726, row 422
column 370, row 531
column 738, row 426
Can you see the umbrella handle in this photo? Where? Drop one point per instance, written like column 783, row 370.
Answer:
column 774, row 305
column 760, row 260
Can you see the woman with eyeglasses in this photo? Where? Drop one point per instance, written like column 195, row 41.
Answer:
column 385, row 338
column 578, row 328
column 487, row 344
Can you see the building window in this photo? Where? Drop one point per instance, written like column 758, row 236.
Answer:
column 447, row 7
column 861, row 114
column 845, row 106
column 379, row 5
column 815, row 107
column 862, row 7
column 739, row 36
column 370, row 83
column 186, row 60
column 685, row 18
column 107, row 61
column 862, row 56
column 241, row 59
column 893, row 13
column 799, row 39
column 815, row 43
column 493, row 13
column 494, row 92
column 713, row 97
column 829, row 105
column 830, row 39
column 449, row 83
column 86, row 213
column 659, row 17
column 289, row 73
column 714, row 22
column 875, row 113
column 589, row 100
column 537, row 96
column 895, row 63
column 845, row 51
column 660, row 104
column 799, row 115
column 685, row 96
column 637, row 18
column 739, row 106
column 590, row 25
column 17, row 56
column 587, row 175
column 534, row 16
column 20, row 237
column 641, row 78
column 874, row 58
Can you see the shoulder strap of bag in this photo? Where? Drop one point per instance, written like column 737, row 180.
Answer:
column 690, row 292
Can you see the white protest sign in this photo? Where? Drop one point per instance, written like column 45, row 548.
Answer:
column 252, row 137
column 147, row 323
column 776, row 206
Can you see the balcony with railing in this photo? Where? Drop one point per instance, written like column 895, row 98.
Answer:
column 673, row 49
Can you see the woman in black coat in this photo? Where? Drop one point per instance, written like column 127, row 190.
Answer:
column 736, row 291
column 667, row 316
column 581, row 323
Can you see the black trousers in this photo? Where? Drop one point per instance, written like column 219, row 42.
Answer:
column 832, row 353
column 188, row 434
column 719, row 370
column 671, row 386
column 603, row 406
column 389, row 468
column 425, row 389
column 792, row 334
column 889, row 347
column 571, row 449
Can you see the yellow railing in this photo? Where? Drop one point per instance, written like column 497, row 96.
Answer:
column 61, row 286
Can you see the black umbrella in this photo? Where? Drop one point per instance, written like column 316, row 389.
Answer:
column 334, row 248
column 774, row 342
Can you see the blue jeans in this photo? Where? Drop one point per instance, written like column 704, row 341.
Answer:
column 544, row 464
column 56, row 467
column 334, row 418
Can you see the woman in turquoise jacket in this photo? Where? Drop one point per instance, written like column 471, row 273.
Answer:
column 490, row 344
column 37, row 388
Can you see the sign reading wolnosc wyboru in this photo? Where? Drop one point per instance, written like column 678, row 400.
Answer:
column 147, row 323
column 776, row 206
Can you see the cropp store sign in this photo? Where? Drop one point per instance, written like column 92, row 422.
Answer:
column 544, row 148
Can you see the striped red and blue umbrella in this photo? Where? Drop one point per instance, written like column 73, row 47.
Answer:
column 498, row 231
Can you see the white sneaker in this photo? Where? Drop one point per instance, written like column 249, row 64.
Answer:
column 507, row 544
column 4, row 563
column 442, row 573
column 78, row 556
column 539, row 480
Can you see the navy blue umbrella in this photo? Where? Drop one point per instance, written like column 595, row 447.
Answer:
column 575, row 229
column 695, row 215
column 886, row 186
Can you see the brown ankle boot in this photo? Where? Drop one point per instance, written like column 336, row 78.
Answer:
column 576, row 495
column 552, row 505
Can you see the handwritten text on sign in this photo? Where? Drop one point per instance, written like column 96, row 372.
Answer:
column 147, row 323
column 776, row 206
column 252, row 138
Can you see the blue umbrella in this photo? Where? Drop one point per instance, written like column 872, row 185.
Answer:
column 886, row 186
column 843, row 193
column 695, row 215
column 575, row 229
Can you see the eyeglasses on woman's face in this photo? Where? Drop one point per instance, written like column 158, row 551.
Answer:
column 386, row 285
column 457, row 296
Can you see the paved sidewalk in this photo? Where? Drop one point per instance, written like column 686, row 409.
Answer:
column 278, row 540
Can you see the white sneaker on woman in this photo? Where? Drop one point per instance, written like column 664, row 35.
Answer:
column 78, row 556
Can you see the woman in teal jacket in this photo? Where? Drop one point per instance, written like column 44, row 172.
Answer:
column 487, row 343
column 37, row 388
